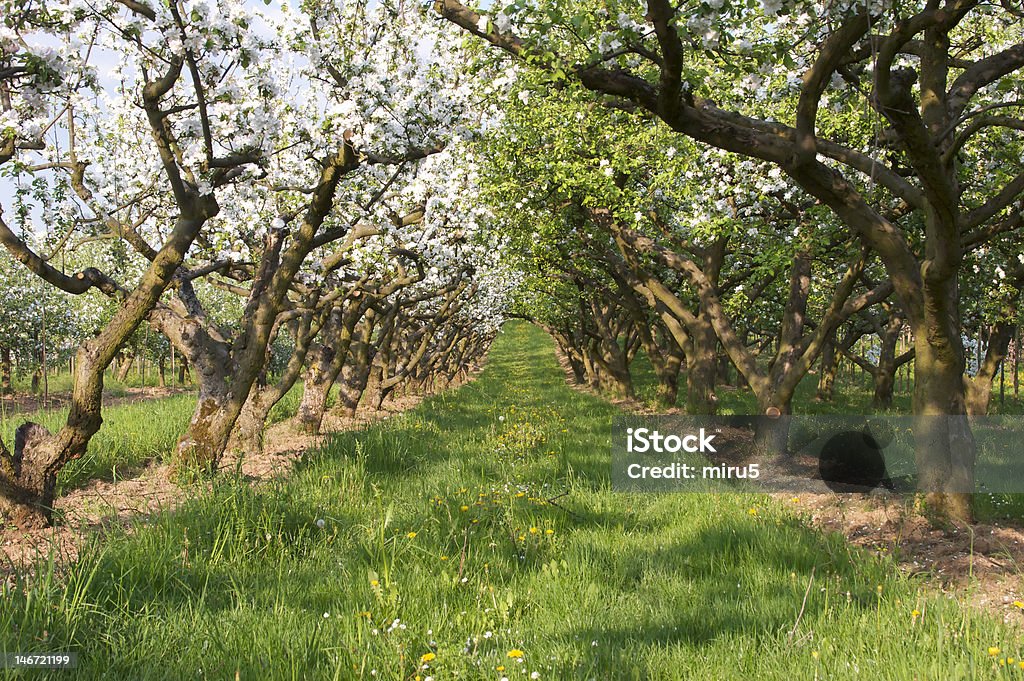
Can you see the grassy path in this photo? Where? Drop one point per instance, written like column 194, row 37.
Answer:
column 426, row 546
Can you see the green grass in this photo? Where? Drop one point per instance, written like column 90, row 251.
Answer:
column 62, row 380
column 131, row 435
column 426, row 548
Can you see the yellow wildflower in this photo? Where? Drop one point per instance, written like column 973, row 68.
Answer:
column 515, row 653
column 427, row 657
column 993, row 651
column 411, row 535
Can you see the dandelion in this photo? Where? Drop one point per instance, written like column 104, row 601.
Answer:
column 463, row 508
column 993, row 651
column 515, row 654
column 1019, row 605
column 549, row 531
column 500, row 668
column 427, row 657
column 320, row 523
column 914, row 614
column 374, row 583
column 444, row 557
column 534, row 530
column 752, row 511
column 411, row 535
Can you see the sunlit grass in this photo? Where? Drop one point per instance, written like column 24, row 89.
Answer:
column 476, row 537
column 131, row 436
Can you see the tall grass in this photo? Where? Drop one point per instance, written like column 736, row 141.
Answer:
column 476, row 537
column 132, row 434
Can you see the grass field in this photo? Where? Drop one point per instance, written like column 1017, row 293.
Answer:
column 476, row 537
column 131, row 436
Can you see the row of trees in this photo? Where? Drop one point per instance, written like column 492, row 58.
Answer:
column 708, row 174
column 241, row 181
column 368, row 188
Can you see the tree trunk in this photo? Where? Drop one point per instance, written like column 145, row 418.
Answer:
column 944, row 446
column 373, row 391
column 576, row 364
column 615, row 377
column 702, row 368
column 6, row 387
column 350, row 390
column 668, row 378
column 251, row 424
column 885, row 373
column 771, row 437
column 316, row 388
column 125, row 367
column 209, row 430
column 827, row 373
column 979, row 388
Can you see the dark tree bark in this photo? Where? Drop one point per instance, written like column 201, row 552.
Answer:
column 6, row 387
column 827, row 372
column 979, row 388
